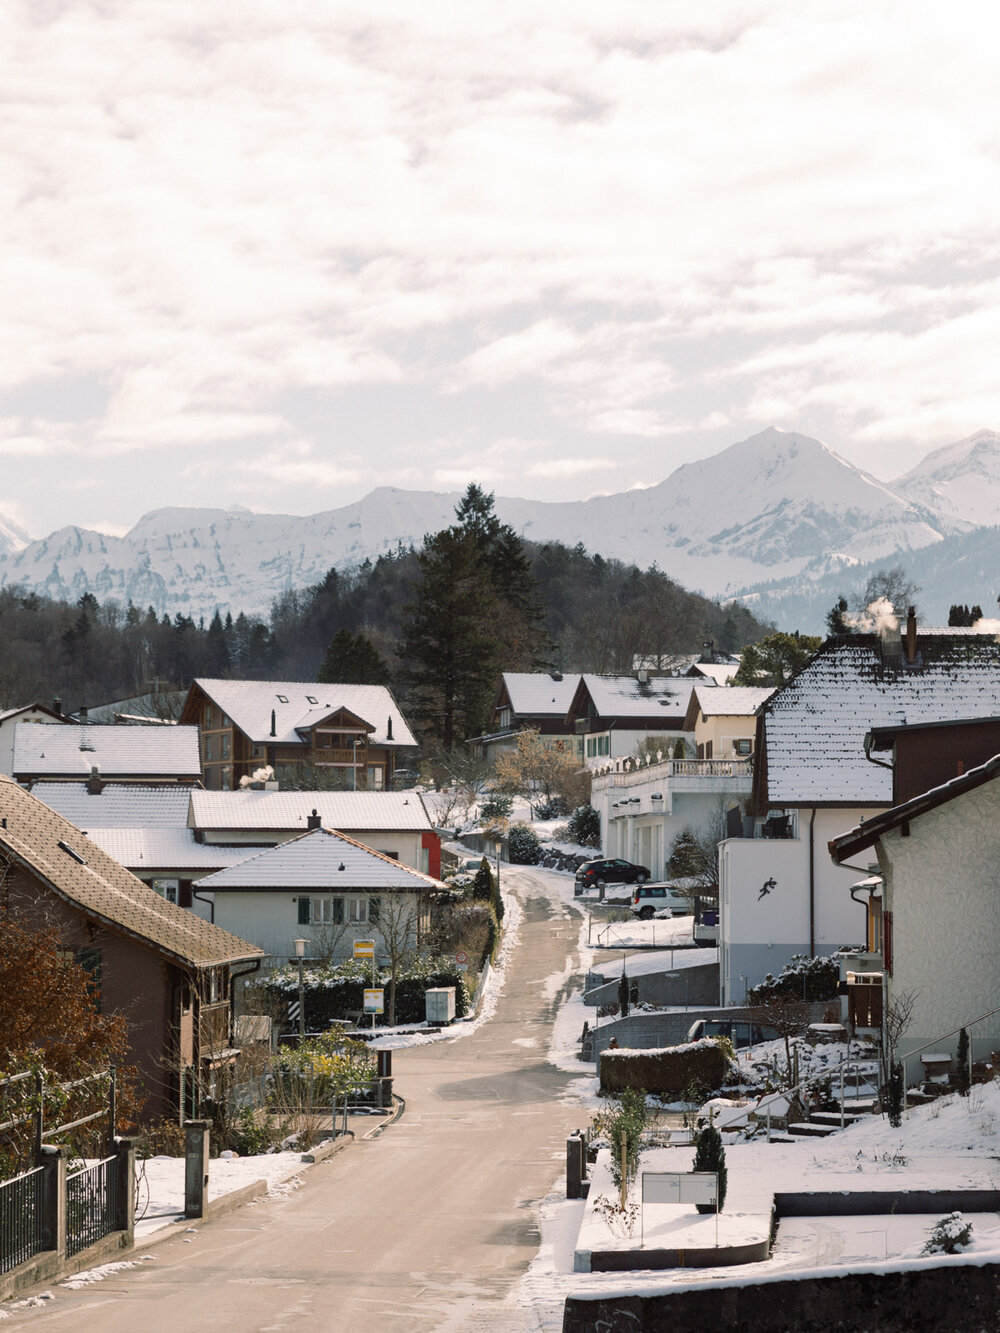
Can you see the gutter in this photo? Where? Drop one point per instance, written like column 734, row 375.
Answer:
column 812, row 886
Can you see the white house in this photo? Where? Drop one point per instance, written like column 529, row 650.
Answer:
column 614, row 714
column 326, row 888
column 934, row 916
column 779, row 892
column 11, row 717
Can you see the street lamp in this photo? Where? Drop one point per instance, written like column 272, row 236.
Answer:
column 300, row 953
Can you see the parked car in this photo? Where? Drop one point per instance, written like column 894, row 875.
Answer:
column 595, row 874
column 651, row 900
column 741, row 1032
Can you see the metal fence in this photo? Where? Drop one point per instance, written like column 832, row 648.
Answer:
column 91, row 1204
column 21, row 1219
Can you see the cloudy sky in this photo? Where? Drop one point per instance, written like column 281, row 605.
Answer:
column 277, row 252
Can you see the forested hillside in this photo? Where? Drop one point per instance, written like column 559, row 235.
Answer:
column 559, row 607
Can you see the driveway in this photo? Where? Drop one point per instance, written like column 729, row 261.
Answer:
column 427, row 1227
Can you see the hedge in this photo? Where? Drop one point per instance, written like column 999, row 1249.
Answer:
column 666, row 1072
column 330, row 996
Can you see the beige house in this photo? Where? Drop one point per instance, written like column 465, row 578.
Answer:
column 723, row 720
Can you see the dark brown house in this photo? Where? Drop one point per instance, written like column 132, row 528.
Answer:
column 167, row 970
column 353, row 732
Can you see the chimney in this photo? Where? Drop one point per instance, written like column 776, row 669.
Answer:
column 84, row 715
column 388, row 733
column 911, row 635
column 57, row 705
column 274, row 723
column 94, row 784
column 708, row 651
column 313, row 820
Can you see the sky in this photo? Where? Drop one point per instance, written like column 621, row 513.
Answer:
column 278, row 253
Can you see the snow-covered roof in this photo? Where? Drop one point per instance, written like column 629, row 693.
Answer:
column 117, row 752
column 51, row 713
column 814, row 727
column 320, row 859
column 627, row 696
column 733, row 701
column 720, row 672
column 539, row 694
column 147, row 850
column 118, row 805
column 397, row 810
column 300, row 704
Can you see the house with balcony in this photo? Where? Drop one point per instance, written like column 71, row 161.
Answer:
column 723, row 722
column 813, row 776
column 531, row 701
column 169, row 972
column 933, row 927
column 613, row 715
column 352, row 734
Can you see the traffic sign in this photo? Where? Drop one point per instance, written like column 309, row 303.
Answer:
column 461, row 956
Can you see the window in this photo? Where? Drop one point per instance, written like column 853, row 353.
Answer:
column 358, row 911
column 310, row 699
column 166, row 888
column 374, row 909
column 744, row 747
column 376, row 777
column 90, row 961
column 282, row 698
column 326, row 912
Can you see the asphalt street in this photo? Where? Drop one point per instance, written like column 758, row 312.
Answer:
column 426, row 1228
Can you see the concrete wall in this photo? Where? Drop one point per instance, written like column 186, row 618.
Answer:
column 941, row 887
column 688, row 985
column 763, row 924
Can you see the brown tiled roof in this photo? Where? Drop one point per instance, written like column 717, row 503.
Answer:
column 78, row 871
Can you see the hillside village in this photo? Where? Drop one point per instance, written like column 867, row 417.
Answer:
column 284, row 865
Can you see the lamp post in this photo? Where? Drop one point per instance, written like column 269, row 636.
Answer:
column 300, row 953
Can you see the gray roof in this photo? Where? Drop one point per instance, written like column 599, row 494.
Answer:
column 284, row 810
column 146, row 851
column 320, row 859
column 119, row 805
column 79, row 872
column 814, row 727
column 538, row 694
column 73, row 751
column 626, row 696
column 731, row 700
column 250, row 703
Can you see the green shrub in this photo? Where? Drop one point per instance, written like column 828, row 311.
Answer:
column 626, row 1115
column 333, row 992
column 523, row 845
column 249, row 1133
column 710, row 1155
column 584, row 826
column 949, row 1235
column 496, row 807
column 803, row 978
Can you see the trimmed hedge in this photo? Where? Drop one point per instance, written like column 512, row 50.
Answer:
column 668, row 1071
column 329, row 996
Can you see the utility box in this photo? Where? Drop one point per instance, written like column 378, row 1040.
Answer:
column 440, row 1005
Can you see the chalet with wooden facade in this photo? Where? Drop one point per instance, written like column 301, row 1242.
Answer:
column 354, row 733
column 531, row 701
column 168, row 971
column 613, row 714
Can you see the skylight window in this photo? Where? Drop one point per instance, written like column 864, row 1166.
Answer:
column 282, row 698
column 310, row 699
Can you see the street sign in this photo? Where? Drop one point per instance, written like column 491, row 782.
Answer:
column 364, row 948
column 679, row 1187
column 461, row 956
column 374, row 1001
column 293, row 1010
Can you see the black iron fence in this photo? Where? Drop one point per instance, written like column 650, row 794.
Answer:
column 22, row 1231
column 91, row 1204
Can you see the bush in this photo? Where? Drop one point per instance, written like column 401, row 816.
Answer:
column 709, row 1155
column 585, row 826
column 524, row 847
column 665, row 1072
column 552, row 808
column 247, row 1135
column 333, row 992
column 950, row 1235
column 804, row 978
column 495, row 808
column 162, row 1138
column 627, row 1115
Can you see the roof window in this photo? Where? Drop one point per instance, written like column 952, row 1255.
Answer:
column 70, row 852
column 310, row 699
column 282, row 698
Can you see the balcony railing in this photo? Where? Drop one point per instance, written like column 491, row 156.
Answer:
column 685, row 768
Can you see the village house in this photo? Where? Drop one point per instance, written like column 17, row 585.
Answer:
column 724, row 721
column 932, row 921
column 531, row 701
column 11, row 717
column 779, row 892
column 170, row 973
column 328, row 889
column 613, row 715
column 351, row 734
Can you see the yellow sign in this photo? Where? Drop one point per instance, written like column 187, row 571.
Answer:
column 364, row 948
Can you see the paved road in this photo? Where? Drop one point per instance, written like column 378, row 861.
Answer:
column 426, row 1228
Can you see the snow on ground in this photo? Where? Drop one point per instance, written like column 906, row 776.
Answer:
column 160, row 1183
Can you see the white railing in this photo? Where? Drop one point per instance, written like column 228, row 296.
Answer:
column 683, row 768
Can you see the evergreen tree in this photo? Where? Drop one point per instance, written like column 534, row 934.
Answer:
column 836, row 618
column 352, row 659
column 710, row 1155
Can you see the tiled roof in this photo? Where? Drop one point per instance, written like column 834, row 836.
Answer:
column 626, row 696
column 82, row 874
column 815, row 726
column 148, row 850
column 733, row 701
column 167, row 752
column 250, row 703
column 376, row 810
column 536, row 693
column 119, row 805
column 320, row 859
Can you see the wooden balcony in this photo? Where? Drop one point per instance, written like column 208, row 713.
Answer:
column 215, row 1031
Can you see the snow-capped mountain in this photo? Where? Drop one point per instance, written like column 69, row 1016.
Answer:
column 12, row 536
column 771, row 507
column 961, row 480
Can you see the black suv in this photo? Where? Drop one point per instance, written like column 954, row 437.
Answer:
column 595, row 874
